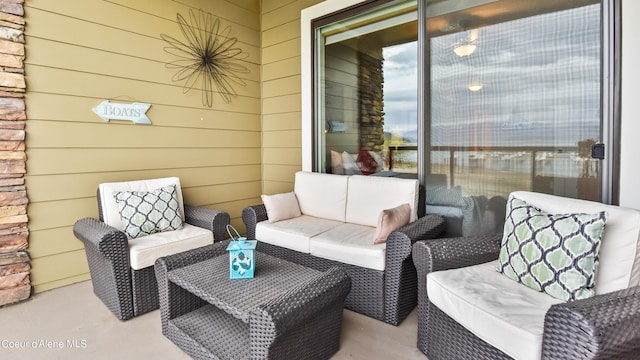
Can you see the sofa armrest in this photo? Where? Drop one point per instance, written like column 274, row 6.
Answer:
column 400, row 241
column 107, row 240
column 601, row 327
column 252, row 215
column 214, row 220
column 107, row 250
column 452, row 253
column 400, row 287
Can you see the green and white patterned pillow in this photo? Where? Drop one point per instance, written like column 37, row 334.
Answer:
column 144, row 213
column 554, row 253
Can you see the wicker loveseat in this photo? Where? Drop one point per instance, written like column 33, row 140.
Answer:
column 339, row 217
column 468, row 310
column 121, row 269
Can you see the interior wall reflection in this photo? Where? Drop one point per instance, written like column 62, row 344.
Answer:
column 367, row 79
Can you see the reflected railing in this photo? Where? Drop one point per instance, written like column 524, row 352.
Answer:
column 560, row 170
column 402, row 158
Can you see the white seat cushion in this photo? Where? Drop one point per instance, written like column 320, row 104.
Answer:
column 322, row 195
column 369, row 195
column 144, row 251
column 294, row 233
column 350, row 244
column 500, row 311
column 620, row 250
column 109, row 206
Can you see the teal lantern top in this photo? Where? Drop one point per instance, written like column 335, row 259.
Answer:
column 242, row 244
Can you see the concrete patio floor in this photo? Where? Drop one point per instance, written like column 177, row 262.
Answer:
column 71, row 323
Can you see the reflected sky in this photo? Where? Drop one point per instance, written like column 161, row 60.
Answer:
column 540, row 77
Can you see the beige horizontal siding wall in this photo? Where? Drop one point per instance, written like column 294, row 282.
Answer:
column 80, row 53
column 281, row 91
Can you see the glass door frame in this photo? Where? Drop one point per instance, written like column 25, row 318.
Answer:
column 610, row 97
column 611, row 58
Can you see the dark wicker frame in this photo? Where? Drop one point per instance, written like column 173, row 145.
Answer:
column 602, row 327
column 388, row 295
column 305, row 323
column 125, row 291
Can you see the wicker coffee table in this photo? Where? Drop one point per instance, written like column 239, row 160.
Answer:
column 276, row 315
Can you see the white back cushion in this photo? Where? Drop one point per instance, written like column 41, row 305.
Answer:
column 620, row 251
column 110, row 212
column 369, row 195
column 322, row 195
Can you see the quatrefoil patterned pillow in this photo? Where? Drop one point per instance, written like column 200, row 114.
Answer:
column 149, row 212
column 553, row 253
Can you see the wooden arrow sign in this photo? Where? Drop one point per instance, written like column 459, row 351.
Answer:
column 134, row 112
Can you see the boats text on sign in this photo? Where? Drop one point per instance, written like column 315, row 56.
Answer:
column 134, row 112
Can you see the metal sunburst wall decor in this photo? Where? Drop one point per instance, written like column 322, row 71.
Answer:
column 207, row 55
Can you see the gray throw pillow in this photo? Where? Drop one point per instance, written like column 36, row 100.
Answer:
column 144, row 213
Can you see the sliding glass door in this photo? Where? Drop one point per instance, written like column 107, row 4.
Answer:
column 476, row 98
column 514, row 104
column 366, row 81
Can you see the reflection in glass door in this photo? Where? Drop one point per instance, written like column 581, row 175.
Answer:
column 515, row 104
column 510, row 99
column 365, row 119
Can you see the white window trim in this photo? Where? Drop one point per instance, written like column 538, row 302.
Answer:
column 306, row 47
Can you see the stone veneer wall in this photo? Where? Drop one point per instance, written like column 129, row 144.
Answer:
column 14, row 261
column 370, row 92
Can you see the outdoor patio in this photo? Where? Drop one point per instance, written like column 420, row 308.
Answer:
column 71, row 323
column 532, row 105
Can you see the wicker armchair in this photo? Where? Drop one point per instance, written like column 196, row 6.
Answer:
column 600, row 327
column 126, row 290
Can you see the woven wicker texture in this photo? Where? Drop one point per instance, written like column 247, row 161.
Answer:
column 183, row 301
column 210, row 333
column 293, row 320
column 214, row 220
column 366, row 296
column 127, row 292
column 276, row 315
column 601, row 327
column 108, row 257
column 210, row 281
column 388, row 295
column 145, row 290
